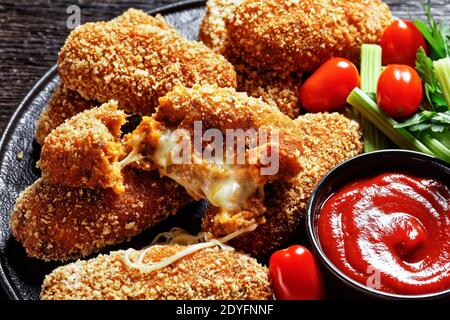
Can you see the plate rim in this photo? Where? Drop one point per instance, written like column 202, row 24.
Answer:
column 6, row 283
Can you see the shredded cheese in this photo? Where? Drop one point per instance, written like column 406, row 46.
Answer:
column 134, row 155
column 172, row 237
column 179, row 236
column 223, row 185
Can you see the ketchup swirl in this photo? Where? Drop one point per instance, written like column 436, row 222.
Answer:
column 390, row 232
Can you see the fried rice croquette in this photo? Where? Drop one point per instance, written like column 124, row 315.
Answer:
column 54, row 222
column 213, row 29
column 297, row 36
column 135, row 59
column 233, row 187
column 63, row 105
column 274, row 87
column 85, row 150
column 224, row 109
column 327, row 140
column 209, row 274
column 278, row 89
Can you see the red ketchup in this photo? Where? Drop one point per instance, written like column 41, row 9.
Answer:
column 390, row 232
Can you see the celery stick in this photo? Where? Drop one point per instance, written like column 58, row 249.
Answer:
column 443, row 137
column 369, row 109
column 374, row 139
column 371, row 64
column 439, row 149
column 370, row 67
column 370, row 136
column 442, row 69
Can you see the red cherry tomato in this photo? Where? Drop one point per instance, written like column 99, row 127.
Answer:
column 399, row 91
column 296, row 275
column 400, row 43
column 329, row 86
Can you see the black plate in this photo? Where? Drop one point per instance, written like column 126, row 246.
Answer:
column 20, row 276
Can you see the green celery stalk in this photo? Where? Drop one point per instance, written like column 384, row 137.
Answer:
column 371, row 66
column 443, row 137
column 439, row 149
column 370, row 136
column 371, row 63
column 442, row 69
column 369, row 109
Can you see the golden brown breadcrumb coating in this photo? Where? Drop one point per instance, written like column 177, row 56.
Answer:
column 209, row 274
column 225, row 108
column 133, row 17
column 63, row 105
column 213, row 29
column 84, row 151
column 54, row 222
column 234, row 188
column 327, row 140
column 293, row 35
column 136, row 59
column 278, row 88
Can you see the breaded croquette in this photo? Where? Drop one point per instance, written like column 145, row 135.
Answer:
column 84, row 151
column 54, row 222
column 63, row 105
column 133, row 17
column 213, row 29
column 209, row 274
column 231, row 185
column 297, row 36
column 224, row 109
column 274, row 87
column 135, row 59
column 327, row 140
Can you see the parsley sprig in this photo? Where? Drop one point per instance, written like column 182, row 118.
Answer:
column 435, row 98
column 435, row 114
column 436, row 33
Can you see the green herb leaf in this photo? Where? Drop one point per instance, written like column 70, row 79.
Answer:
column 420, row 127
column 442, row 117
column 436, row 121
column 438, row 127
column 436, row 34
column 416, row 119
column 433, row 93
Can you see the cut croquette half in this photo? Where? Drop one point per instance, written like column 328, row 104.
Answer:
column 84, row 151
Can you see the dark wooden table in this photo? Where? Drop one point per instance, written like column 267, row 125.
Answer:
column 31, row 33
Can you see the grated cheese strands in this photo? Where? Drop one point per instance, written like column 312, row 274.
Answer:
column 153, row 266
column 133, row 156
column 179, row 236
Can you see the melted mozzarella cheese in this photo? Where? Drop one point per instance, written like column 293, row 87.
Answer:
column 223, row 185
